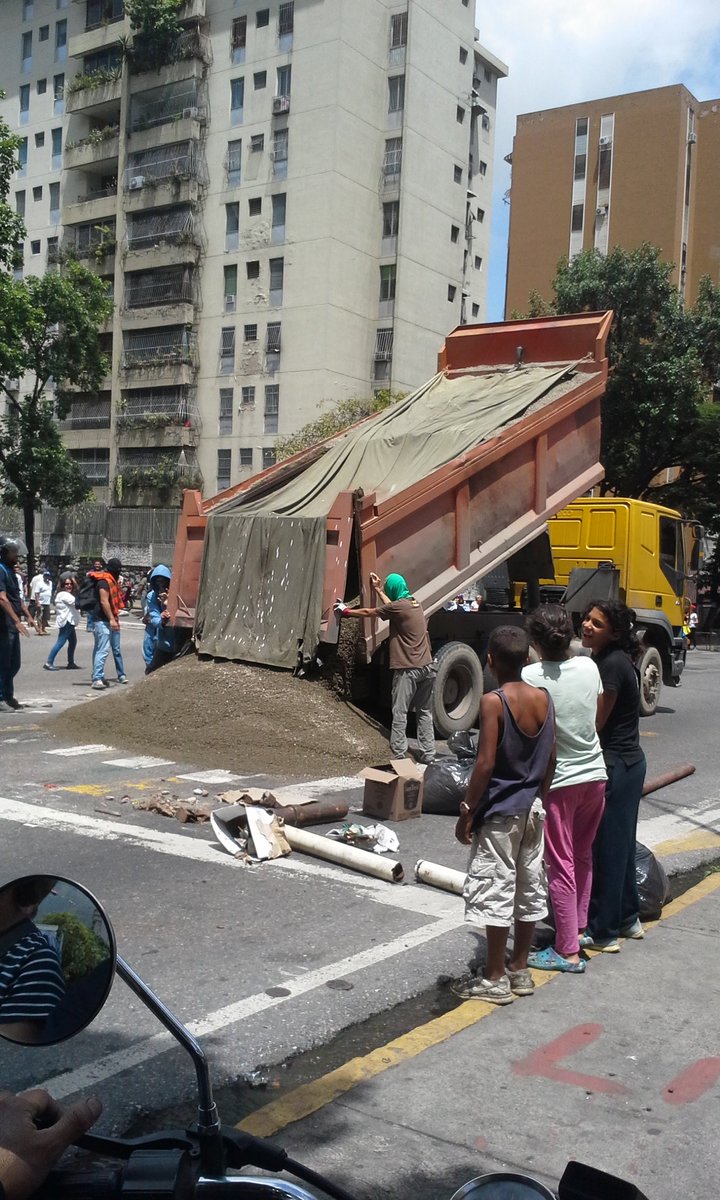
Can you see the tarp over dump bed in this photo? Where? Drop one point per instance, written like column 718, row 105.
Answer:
column 261, row 586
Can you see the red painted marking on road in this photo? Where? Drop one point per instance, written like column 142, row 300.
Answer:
column 543, row 1061
column 481, row 1143
column 693, row 1082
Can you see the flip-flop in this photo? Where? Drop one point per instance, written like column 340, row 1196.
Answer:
column 549, row 960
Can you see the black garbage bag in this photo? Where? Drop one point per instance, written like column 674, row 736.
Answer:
column 463, row 745
column 446, row 780
column 652, row 883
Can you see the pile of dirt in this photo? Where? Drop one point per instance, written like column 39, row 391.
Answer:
column 223, row 714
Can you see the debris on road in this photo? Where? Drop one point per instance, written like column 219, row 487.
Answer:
column 393, row 792
column 377, row 838
column 345, row 856
column 440, row 877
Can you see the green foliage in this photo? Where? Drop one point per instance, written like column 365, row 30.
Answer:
column 103, row 75
column 95, row 137
column 345, row 413
column 164, row 477
column 12, row 229
column 151, row 420
column 156, row 28
column 82, row 950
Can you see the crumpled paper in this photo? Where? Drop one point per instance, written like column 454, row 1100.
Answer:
column 377, row 838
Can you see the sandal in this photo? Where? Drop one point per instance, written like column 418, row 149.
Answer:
column 549, row 960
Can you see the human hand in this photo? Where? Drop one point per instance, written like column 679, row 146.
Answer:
column 463, row 829
column 23, row 629
column 114, row 625
column 27, row 1152
column 375, row 580
column 340, row 608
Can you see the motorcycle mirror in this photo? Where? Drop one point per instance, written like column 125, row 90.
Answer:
column 503, row 1186
column 57, row 959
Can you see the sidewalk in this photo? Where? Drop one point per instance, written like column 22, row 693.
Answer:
column 617, row 1068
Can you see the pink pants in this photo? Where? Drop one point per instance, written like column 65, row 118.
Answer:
column 572, row 817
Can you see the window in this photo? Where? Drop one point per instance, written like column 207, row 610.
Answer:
column 463, row 55
column 94, row 464
column 391, row 218
column 396, row 93
column 250, row 333
column 61, row 41
column 277, row 275
column 383, row 345
column 398, row 30
column 248, row 397
column 465, row 3
column 454, row 233
column 452, row 292
column 387, row 282
column 22, row 156
column 580, row 166
column 230, row 287
column 20, row 204
column 225, row 415
column 457, row 174
column 246, row 457
column 578, row 212
column 280, row 145
column 262, row 18
column 34, row 247
column 44, row 33
column 478, row 262
column 257, row 143
column 485, row 122
column 56, row 148
column 255, row 206
column 234, row 163
column 232, row 225
column 482, row 168
column 279, row 208
column 284, row 80
column 272, row 407
column 272, row 338
column 237, row 100
column 37, row 194
column 269, row 457
column 58, row 95
column 476, row 310
column 259, row 80
column 41, row 87
column 227, row 350
column 392, row 161
column 224, row 462
column 252, row 269
column 54, row 192
column 27, row 10
column 26, row 52
column 24, row 103
column 459, row 114
column 238, row 38
column 481, row 215
column 286, row 19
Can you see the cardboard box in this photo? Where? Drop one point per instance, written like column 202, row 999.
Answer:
column 393, row 792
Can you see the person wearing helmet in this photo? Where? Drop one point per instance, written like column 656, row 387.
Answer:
column 67, row 616
column 156, row 615
column 12, row 610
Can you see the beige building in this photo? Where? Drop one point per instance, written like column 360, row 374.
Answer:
column 293, row 209
column 643, row 167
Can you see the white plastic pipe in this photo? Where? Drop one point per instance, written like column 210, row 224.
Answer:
column 440, row 877
column 347, row 856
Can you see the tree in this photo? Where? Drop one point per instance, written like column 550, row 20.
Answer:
column 48, row 333
column 12, row 230
column 156, row 27
column 345, row 413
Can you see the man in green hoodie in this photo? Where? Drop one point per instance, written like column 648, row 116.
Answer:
column 410, row 662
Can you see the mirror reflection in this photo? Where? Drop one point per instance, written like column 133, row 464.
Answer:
column 57, row 959
column 503, row 1187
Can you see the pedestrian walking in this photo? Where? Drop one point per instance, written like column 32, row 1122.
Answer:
column 12, row 610
column 607, row 630
column 67, row 616
column 156, row 614
column 35, row 583
column 106, row 626
column 410, row 658
column 502, row 819
column 693, row 622
column 575, row 802
column 42, row 596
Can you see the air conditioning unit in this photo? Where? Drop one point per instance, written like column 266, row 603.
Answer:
column 137, row 182
column 601, row 211
column 280, row 104
column 605, row 141
column 229, row 304
column 692, row 138
column 191, row 113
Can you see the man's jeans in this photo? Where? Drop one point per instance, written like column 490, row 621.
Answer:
column 106, row 639
column 9, row 662
column 412, row 687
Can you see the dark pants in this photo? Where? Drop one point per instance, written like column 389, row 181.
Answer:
column 9, row 662
column 614, row 901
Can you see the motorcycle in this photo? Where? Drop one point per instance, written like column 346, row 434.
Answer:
column 42, row 912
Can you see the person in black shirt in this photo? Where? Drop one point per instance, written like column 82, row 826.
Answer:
column 12, row 609
column 607, row 630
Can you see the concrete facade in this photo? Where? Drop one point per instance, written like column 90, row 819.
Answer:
column 295, row 210
column 620, row 171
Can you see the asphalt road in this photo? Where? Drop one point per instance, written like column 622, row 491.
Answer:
column 251, row 957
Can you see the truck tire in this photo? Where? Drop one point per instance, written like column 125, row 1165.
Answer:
column 457, row 690
column 650, row 669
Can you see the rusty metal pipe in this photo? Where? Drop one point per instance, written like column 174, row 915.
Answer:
column 671, row 776
column 319, row 812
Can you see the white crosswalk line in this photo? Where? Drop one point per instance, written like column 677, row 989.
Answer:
column 141, row 762
column 75, row 751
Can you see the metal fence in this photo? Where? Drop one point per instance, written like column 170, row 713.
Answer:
column 139, row 537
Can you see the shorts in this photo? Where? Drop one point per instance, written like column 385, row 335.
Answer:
column 506, row 877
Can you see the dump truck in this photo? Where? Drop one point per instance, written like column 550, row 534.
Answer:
column 443, row 487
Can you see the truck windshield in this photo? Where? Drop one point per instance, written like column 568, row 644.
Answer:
column 672, row 558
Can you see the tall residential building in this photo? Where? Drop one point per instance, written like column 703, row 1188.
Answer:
column 293, row 208
column 643, row 167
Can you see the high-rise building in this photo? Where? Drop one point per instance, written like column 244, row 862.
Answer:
column 291, row 207
column 643, row 167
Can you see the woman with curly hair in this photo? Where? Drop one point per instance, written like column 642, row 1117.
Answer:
column 607, row 631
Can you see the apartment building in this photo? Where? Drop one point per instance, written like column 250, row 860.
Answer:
column 642, row 167
column 291, row 209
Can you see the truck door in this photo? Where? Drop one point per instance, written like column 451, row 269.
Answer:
column 672, row 559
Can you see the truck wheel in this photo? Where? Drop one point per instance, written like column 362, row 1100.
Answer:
column 650, row 668
column 457, row 690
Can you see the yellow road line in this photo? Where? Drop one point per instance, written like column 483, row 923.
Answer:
column 104, row 789
column 311, row 1097
column 700, row 839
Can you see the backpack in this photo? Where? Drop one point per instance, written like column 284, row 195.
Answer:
column 87, row 597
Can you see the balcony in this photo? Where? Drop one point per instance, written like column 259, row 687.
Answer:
column 101, row 147
column 189, row 45
column 165, row 296
column 97, row 94
column 147, row 475
column 98, row 204
column 99, row 36
column 158, row 418
column 87, row 412
column 170, row 173
column 93, row 242
column 192, row 10
column 162, row 355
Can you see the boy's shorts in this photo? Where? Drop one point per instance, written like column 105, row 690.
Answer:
column 506, row 877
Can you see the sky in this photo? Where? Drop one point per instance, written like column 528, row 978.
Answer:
column 565, row 51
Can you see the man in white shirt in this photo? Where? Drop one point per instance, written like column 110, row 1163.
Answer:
column 35, row 583
column 42, row 595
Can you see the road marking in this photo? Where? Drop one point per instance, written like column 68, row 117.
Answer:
column 215, row 777
column 14, row 728
column 141, row 762
column 311, row 1097
column 74, row 751
column 701, row 839
column 320, row 787
column 668, row 825
column 102, row 789
column 91, row 1074
column 693, row 1082
column 543, row 1062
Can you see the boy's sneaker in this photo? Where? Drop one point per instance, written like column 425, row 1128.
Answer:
column 49, row 667
column 606, row 945
column 99, row 685
column 122, row 678
column 493, row 991
column 634, row 930
column 521, row 982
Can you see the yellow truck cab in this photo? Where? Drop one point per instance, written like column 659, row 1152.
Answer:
column 656, row 555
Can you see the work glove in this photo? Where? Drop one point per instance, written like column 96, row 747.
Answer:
column 340, row 608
